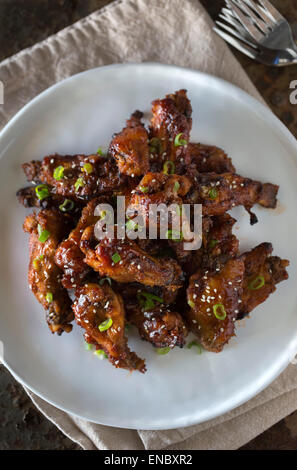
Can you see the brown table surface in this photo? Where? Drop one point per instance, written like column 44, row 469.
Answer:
column 22, row 24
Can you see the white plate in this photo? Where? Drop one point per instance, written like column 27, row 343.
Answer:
column 181, row 388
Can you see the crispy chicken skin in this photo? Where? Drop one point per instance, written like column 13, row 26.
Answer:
column 215, row 292
column 171, row 116
column 260, row 268
column 100, row 176
column 125, row 261
column 44, row 276
column 159, row 326
column 93, row 305
column 130, row 148
column 220, row 193
column 69, row 256
column 208, row 159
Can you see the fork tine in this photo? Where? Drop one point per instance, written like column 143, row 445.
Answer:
column 233, row 22
column 254, row 32
column 235, row 43
column 252, row 15
column 236, row 34
column 260, row 11
column 273, row 12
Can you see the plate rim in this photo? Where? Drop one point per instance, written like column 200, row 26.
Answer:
column 274, row 123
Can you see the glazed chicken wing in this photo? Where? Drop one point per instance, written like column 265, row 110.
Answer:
column 159, row 326
column 80, row 177
column 130, row 148
column 124, row 261
column 213, row 299
column 170, row 127
column 69, row 256
column 262, row 273
column 95, row 305
column 220, row 193
column 46, row 231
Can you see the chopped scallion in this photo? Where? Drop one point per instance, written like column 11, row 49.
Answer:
column 42, row 191
column 178, row 141
column 58, row 173
column 116, row 258
column 67, row 205
column 168, row 168
column 79, row 183
column 105, row 325
column 197, row 345
column 219, row 311
column 257, row 283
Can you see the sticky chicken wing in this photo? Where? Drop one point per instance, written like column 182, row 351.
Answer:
column 159, row 326
column 170, row 127
column 46, row 231
column 220, row 193
column 213, row 299
column 69, row 256
column 80, row 177
column 130, row 148
column 262, row 273
column 125, row 261
column 100, row 312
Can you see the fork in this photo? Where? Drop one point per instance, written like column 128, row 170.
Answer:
column 259, row 31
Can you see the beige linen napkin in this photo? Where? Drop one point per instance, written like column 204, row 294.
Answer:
column 167, row 31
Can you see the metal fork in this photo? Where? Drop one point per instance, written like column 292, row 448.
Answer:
column 259, row 31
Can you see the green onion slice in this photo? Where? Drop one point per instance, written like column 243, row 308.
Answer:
column 42, row 191
column 176, row 186
column 43, row 234
column 163, row 351
column 67, row 205
column 174, row 235
column 146, row 300
column 178, row 141
column 101, row 354
column 59, row 173
column 105, row 325
column 143, row 189
column 212, row 243
column 99, row 151
column 79, row 183
column 131, row 225
column 257, row 283
column 191, row 303
column 88, row 168
column 213, row 193
column 219, row 311
column 107, row 279
column 197, row 345
column 168, row 168
column 49, row 297
column 88, row 346
column 116, row 258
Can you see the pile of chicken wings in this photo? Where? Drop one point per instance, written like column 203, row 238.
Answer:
column 158, row 286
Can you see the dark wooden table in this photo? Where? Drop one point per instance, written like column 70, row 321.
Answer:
column 22, row 24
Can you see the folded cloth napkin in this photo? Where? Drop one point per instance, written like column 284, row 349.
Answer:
column 167, row 31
